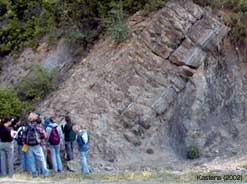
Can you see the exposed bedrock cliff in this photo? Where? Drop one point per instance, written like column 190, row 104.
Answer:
column 142, row 99
column 59, row 57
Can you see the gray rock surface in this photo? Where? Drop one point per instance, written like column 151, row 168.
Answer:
column 168, row 75
column 177, row 75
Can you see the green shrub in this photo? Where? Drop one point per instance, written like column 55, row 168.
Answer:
column 193, row 151
column 115, row 23
column 37, row 84
column 10, row 105
column 119, row 32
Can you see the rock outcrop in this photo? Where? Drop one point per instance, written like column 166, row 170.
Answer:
column 15, row 69
column 171, row 81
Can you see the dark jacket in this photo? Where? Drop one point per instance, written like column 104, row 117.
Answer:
column 69, row 134
column 5, row 134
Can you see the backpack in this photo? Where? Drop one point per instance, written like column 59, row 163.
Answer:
column 54, row 138
column 85, row 140
column 19, row 135
column 32, row 136
column 83, row 145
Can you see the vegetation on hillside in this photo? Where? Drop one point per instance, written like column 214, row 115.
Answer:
column 80, row 22
column 30, row 90
column 23, row 22
column 37, row 84
column 10, row 105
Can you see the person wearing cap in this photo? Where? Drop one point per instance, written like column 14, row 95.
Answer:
column 33, row 136
column 6, row 148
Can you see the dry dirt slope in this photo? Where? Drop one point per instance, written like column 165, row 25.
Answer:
column 143, row 98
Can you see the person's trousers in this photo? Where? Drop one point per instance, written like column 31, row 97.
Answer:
column 83, row 162
column 69, row 150
column 56, row 158
column 23, row 156
column 7, row 157
column 36, row 153
column 17, row 155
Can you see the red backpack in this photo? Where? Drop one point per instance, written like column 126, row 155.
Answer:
column 54, row 138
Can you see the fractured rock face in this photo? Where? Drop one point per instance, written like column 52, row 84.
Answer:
column 164, row 101
column 154, row 77
column 205, row 34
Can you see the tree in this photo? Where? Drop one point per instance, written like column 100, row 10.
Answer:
column 10, row 105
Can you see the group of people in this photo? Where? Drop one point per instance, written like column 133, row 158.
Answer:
column 38, row 141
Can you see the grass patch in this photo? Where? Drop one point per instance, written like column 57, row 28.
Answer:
column 244, row 165
column 161, row 176
column 131, row 176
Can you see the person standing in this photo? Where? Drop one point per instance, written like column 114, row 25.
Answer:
column 43, row 143
column 55, row 141
column 6, row 148
column 69, row 136
column 33, row 137
column 15, row 124
column 23, row 155
column 82, row 138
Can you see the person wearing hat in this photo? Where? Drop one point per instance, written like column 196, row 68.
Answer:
column 33, row 137
column 6, row 148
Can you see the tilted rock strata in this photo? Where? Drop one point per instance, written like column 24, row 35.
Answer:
column 144, row 94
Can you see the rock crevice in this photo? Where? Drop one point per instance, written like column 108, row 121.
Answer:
column 164, row 78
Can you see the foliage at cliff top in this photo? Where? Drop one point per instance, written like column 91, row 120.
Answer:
column 236, row 18
column 24, row 22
